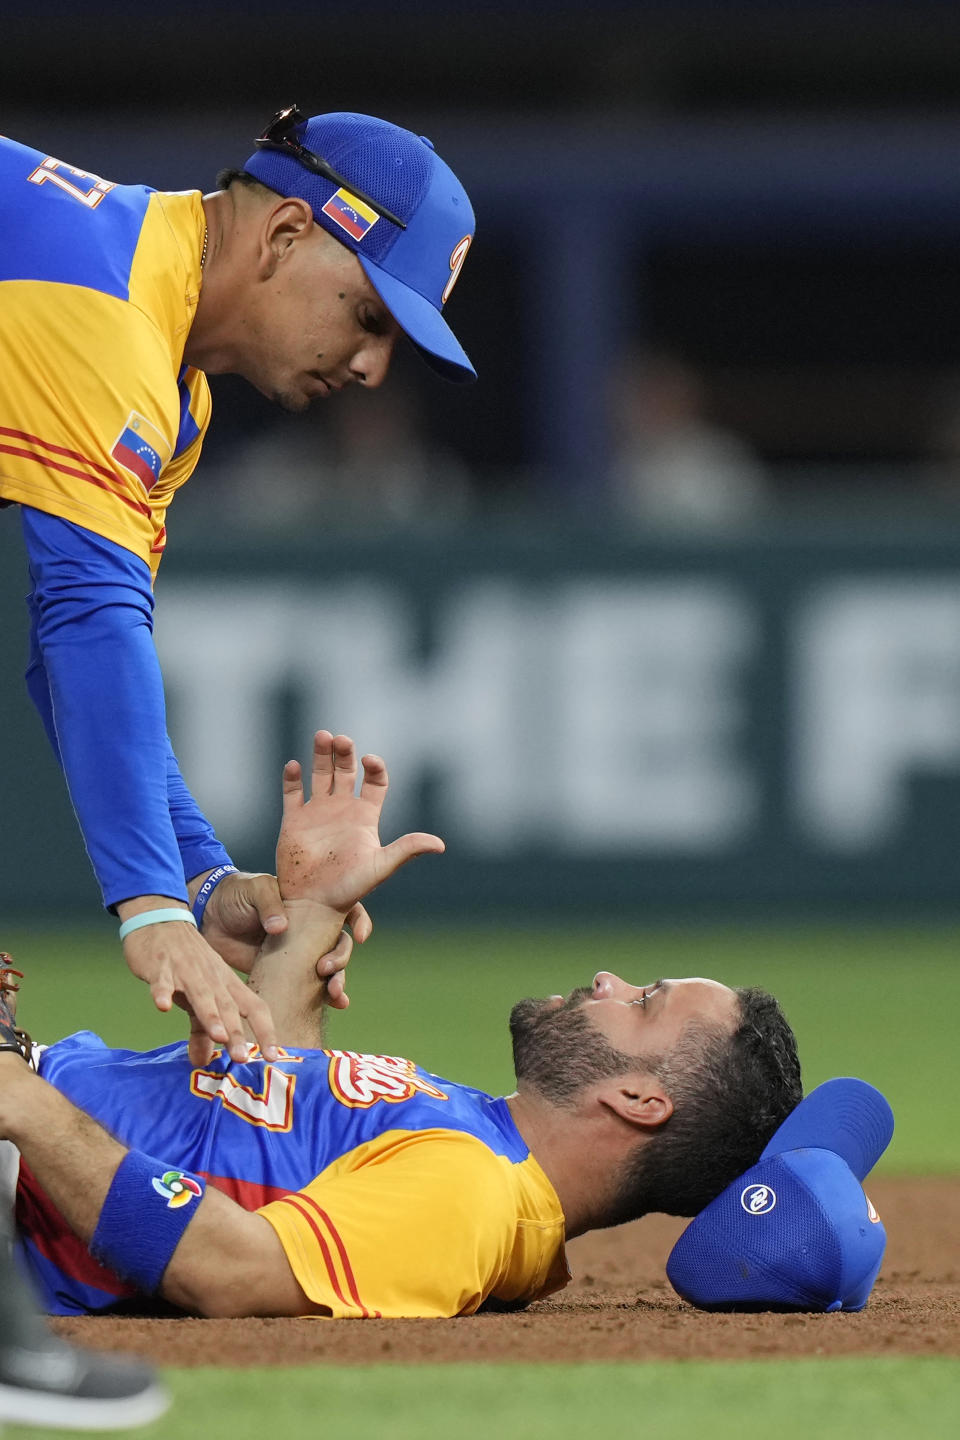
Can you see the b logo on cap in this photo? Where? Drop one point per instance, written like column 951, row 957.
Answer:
column 456, row 265
column 758, row 1199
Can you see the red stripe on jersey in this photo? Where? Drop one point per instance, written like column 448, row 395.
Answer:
column 335, row 1235
column 58, row 450
column 40, row 1219
column 78, row 474
column 324, row 1247
column 249, row 1194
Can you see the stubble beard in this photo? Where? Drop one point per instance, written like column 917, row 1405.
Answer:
column 293, row 401
column 558, row 1052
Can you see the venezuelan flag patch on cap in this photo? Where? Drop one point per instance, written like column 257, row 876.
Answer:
column 350, row 213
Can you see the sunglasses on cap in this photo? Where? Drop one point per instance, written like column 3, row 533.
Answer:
column 279, row 135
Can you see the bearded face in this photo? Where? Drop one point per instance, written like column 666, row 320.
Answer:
column 558, row 1052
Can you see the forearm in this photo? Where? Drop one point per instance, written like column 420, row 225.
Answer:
column 95, row 677
column 73, row 1158
column 228, row 1260
column 284, row 973
column 230, row 1263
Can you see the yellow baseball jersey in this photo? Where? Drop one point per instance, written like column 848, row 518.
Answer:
column 100, row 420
column 356, row 1240
column 393, row 1191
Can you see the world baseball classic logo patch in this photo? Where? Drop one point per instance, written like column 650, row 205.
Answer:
column 176, row 1188
column 758, row 1199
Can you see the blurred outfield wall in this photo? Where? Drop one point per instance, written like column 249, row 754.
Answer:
column 587, row 721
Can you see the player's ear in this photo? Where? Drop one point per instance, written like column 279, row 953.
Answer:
column 639, row 1099
column 282, row 225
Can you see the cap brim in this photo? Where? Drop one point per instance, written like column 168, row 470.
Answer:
column 844, row 1115
column 422, row 323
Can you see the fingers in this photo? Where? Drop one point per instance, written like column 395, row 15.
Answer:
column 195, row 996
column 375, row 780
column 206, row 1037
column 200, row 1048
column 344, row 765
column 213, row 1011
column 408, row 847
column 263, row 893
column 334, row 769
column 361, row 926
column 330, row 968
column 322, row 771
column 181, row 968
column 337, row 997
column 292, row 787
column 256, row 1012
column 223, row 1012
column 334, row 764
column 337, row 958
column 162, row 992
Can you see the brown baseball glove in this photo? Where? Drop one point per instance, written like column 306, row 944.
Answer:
column 11, row 1037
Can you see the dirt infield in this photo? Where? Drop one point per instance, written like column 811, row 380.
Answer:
column 618, row 1307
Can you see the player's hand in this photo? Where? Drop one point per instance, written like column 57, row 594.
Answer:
column 245, row 908
column 329, row 846
column 181, row 969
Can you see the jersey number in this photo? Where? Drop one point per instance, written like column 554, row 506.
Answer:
column 271, row 1107
column 90, row 194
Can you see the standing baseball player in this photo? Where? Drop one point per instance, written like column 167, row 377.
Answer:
column 300, row 273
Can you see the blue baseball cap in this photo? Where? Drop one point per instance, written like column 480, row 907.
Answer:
column 385, row 193
column 795, row 1231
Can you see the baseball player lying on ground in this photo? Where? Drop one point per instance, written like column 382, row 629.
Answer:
column 342, row 1184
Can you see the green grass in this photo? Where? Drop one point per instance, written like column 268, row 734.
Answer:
column 832, row 1400
column 880, row 1003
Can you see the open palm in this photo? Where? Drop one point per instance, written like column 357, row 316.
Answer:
column 329, row 847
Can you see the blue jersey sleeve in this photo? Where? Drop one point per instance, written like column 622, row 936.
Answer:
column 200, row 850
column 95, row 678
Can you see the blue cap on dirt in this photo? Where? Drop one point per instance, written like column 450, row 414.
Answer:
column 384, row 193
column 796, row 1231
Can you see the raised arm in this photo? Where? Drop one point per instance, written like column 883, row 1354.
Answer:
column 329, row 856
column 95, row 678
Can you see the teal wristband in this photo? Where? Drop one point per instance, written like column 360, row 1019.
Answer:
column 154, row 917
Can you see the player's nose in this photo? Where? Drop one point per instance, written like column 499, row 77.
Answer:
column 370, row 365
column 607, row 986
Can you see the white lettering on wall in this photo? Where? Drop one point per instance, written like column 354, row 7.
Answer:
column 876, row 701
column 579, row 716
column 650, row 705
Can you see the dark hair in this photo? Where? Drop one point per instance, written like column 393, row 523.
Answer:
column 730, row 1093
column 228, row 177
